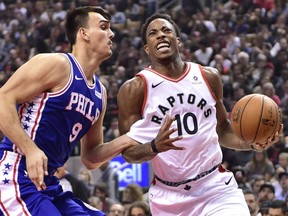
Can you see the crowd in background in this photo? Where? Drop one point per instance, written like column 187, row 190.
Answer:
column 246, row 40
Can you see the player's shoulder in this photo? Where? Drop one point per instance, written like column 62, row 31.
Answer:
column 134, row 83
column 210, row 71
column 50, row 58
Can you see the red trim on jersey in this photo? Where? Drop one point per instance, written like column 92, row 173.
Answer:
column 145, row 93
column 207, row 83
column 17, row 192
column 186, row 71
column 38, row 115
column 1, row 203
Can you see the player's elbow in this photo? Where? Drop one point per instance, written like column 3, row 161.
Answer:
column 90, row 165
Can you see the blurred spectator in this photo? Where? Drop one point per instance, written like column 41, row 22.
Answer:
column 269, row 90
column 113, row 131
column 139, row 208
column 204, row 53
column 101, row 191
column 266, row 193
column 281, row 192
column 117, row 209
column 251, row 200
column 86, row 176
column 59, row 13
column 95, row 202
column 240, row 175
column 108, row 174
column 131, row 193
column 260, row 165
column 282, row 162
column 277, row 208
column 256, row 183
column 71, row 183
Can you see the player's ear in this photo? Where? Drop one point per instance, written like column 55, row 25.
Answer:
column 146, row 49
column 84, row 34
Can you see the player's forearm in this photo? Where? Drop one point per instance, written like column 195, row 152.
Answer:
column 139, row 153
column 106, row 151
column 229, row 140
column 232, row 142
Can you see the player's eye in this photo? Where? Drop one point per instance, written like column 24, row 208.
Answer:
column 151, row 33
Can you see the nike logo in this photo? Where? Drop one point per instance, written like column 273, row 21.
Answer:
column 78, row 78
column 98, row 94
column 228, row 181
column 155, row 85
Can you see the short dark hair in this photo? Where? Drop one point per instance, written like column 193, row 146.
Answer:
column 140, row 204
column 78, row 18
column 157, row 16
column 278, row 204
column 267, row 185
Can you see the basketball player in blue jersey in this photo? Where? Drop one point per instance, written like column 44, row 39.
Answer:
column 189, row 182
column 50, row 104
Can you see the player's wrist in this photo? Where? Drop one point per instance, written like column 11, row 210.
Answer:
column 153, row 147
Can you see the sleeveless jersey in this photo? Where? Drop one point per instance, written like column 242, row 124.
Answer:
column 57, row 121
column 190, row 99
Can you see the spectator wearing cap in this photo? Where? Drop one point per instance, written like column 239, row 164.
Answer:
column 282, row 192
column 266, row 193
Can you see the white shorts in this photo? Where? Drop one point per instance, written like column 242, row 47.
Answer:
column 216, row 194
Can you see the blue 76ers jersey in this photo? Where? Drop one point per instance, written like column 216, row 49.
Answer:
column 57, row 121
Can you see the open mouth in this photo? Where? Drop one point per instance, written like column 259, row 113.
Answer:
column 163, row 45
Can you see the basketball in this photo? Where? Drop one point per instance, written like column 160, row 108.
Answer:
column 255, row 118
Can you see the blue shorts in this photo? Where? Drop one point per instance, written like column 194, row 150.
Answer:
column 19, row 196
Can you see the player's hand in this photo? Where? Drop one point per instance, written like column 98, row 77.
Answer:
column 271, row 141
column 37, row 167
column 163, row 142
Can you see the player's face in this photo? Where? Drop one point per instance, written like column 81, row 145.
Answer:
column 100, row 35
column 162, row 42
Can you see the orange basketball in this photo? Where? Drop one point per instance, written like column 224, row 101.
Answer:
column 255, row 118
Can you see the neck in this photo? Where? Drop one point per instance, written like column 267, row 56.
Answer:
column 89, row 63
column 173, row 69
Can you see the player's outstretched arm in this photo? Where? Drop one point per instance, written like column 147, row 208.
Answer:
column 94, row 152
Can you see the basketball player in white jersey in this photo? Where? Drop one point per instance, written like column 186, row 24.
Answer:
column 189, row 182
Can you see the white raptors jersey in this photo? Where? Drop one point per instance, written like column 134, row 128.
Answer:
column 191, row 101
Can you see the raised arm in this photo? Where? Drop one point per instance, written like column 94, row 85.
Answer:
column 45, row 72
column 227, row 138
column 130, row 101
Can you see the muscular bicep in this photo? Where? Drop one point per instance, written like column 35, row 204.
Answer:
column 41, row 73
column 215, row 83
column 130, row 100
